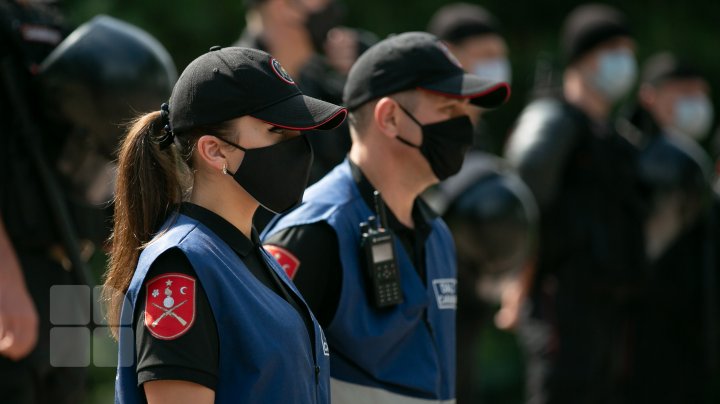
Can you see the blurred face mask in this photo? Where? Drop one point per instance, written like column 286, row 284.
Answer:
column 693, row 116
column 615, row 74
column 497, row 69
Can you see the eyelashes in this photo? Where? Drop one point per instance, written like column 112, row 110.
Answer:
column 278, row 130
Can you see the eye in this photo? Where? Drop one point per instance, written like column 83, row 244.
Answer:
column 449, row 109
column 278, row 130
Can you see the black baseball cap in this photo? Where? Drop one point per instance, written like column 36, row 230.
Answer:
column 588, row 26
column 456, row 22
column 417, row 60
column 228, row 83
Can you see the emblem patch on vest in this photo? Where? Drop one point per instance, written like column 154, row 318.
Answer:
column 285, row 258
column 445, row 293
column 170, row 305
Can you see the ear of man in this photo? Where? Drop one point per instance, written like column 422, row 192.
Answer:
column 386, row 114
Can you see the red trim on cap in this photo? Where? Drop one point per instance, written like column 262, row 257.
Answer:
column 474, row 95
column 342, row 111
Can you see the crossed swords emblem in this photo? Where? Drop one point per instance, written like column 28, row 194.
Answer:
column 169, row 312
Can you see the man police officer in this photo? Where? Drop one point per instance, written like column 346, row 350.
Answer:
column 391, row 332
column 590, row 260
column 59, row 102
column 677, row 330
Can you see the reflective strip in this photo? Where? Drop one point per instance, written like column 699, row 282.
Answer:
column 342, row 392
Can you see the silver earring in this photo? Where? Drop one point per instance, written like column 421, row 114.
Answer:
column 224, row 170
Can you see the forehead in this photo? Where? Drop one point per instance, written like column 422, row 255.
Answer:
column 684, row 85
column 430, row 99
column 619, row 42
column 313, row 5
column 245, row 123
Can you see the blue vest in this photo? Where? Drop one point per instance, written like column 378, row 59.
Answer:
column 407, row 350
column 265, row 352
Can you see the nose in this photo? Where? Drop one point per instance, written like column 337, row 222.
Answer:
column 462, row 107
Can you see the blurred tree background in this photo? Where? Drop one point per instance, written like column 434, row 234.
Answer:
column 690, row 28
column 187, row 28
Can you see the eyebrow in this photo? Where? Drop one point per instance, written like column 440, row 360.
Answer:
column 450, row 103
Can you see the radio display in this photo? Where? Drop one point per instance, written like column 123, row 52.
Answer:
column 382, row 252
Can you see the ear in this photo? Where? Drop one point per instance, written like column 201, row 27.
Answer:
column 211, row 150
column 386, row 117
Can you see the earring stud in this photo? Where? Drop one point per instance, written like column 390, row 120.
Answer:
column 224, row 169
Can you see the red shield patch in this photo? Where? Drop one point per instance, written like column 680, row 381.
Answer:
column 285, row 258
column 170, row 305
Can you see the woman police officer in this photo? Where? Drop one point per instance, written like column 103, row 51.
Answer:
column 214, row 318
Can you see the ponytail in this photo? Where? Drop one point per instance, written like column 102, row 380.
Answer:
column 148, row 188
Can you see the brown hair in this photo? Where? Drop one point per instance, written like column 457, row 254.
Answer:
column 150, row 185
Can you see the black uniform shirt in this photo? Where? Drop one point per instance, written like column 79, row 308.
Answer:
column 315, row 245
column 193, row 356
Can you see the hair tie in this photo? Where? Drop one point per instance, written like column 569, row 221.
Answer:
column 166, row 140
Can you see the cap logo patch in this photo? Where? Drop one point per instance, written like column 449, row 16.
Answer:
column 170, row 305
column 280, row 71
column 449, row 54
column 285, row 258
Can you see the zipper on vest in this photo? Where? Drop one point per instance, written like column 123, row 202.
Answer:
column 317, row 375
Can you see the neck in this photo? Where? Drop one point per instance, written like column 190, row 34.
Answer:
column 578, row 93
column 398, row 185
column 236, row 206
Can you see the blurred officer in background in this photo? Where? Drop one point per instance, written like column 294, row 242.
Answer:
column 58, row 103
column 474, row 37
column 584, row 178
column 673, row 100
column 296, row 32
column 21, row 54
column 493, row 218
column 490, row 212
column 386, row 293
column 676, row 334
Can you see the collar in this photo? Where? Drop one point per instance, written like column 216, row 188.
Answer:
column 422, row 214
column 222, row 228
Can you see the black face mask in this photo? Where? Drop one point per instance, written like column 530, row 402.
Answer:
column 275, row 175
column 444, row 143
